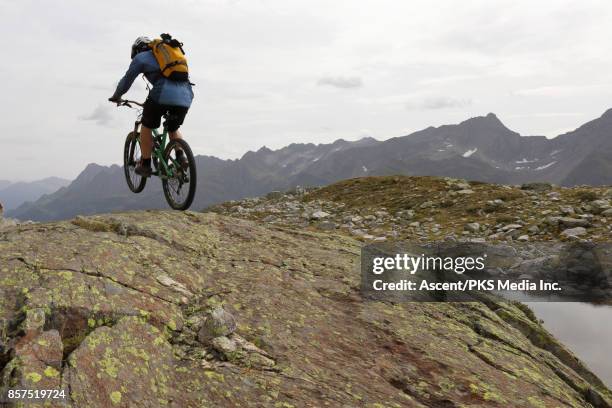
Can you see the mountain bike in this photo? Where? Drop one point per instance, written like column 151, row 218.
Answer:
column 178, row 181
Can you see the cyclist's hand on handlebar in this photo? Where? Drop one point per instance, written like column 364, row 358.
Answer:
column 125, row 102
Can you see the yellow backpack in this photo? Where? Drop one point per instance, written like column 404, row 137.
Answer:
column 171, row 58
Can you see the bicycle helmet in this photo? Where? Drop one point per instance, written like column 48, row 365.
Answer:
column 141, row 44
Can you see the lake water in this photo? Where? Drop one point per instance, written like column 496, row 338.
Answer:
column 584, row 328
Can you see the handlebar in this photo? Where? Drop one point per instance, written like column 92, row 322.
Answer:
column 128, row 103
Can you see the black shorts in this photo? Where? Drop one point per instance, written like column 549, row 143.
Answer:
column 153, row 112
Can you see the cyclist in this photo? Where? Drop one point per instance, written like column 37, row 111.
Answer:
column 166, row 96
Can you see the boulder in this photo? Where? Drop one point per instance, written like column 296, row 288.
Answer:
column 599, row 206
column 534, row 229
column 34, row 320
column 552, row 221
column 510, row 227
column 459, row 185
column 537, row 186
column 574, row 232
column 224, row 345
column 218, row 322
column 317, row 215
column 405, row 214
column 472, row 227
column 327, row 225
column 514, row 233
column 569, row 222
column 274, row 195
column 269, row 218
column 240, row 351
column 494, row 205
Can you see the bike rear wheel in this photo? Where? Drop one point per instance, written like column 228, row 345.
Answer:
column 131, row 156
column 179, row 188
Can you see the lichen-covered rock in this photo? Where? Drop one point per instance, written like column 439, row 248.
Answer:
column 34, row 320
column 217, row 323
column 116, row 291
column 36, row 365
column 127, row 365
column 224, row 345
column 238, row 350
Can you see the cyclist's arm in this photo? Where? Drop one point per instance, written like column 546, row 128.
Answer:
column 135, row 69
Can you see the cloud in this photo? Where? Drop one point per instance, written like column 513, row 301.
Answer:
column 556, row 90
column 101, row 115
column 341, row 82
column 448, row 79
column 287, row 69
column 438, row 103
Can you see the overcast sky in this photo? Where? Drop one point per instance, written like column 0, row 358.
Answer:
column 274, row 72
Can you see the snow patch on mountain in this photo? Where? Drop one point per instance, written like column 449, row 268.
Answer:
column 470, row 152
column 545, row 166
column 524, row 161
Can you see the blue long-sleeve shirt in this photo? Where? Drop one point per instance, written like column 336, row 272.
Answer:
column 164, row 92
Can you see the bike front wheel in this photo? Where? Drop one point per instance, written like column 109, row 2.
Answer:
column 179, row 183
column 131, row 156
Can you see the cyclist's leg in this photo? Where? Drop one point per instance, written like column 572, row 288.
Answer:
column 143, row 168
column 176, row 135
column 146, row 142
column 175, row 120
column 151, row 118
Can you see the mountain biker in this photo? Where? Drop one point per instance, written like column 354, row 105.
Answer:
column 166, row 96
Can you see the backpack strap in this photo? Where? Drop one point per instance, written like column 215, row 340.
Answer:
column 173, row 64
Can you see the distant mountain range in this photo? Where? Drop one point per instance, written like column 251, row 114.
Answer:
column 480, row 148
column 12, row 195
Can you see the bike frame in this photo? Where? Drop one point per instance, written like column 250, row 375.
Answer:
column 159, row 145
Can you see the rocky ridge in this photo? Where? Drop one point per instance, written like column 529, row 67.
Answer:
column 432, row 208
column 155, row 308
